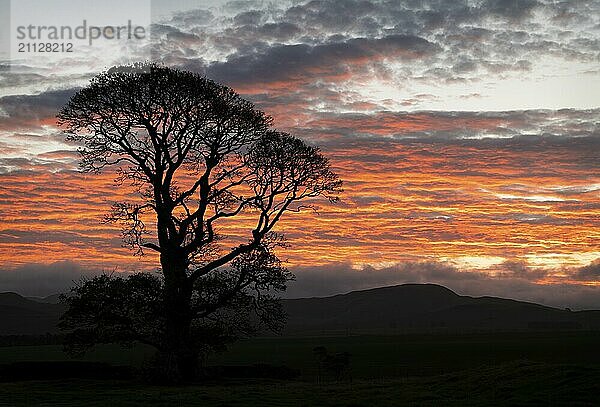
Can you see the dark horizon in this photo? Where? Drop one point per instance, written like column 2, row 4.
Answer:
column 559, row 299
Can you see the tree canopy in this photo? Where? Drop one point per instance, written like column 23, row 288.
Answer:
column 196, row 155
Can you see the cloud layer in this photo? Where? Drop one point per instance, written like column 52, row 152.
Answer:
column 418, row 104
column 341, row 278
column 43, row 280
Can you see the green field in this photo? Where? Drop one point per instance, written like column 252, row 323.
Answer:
column 476, row 369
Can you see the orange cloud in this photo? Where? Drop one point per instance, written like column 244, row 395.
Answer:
column 403, row 202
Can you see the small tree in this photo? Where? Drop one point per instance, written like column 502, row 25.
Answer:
column 197, row 155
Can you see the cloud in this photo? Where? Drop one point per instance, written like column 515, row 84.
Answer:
column 338, row 278
column 335, row 278
column 253, row 17
column 41, row 280
column 512, row 9
column 330, row 61
column 473, row 38
column 28, row 112
column 591, row 272
column 524, row 129
column 311, row 50
column 419, row 184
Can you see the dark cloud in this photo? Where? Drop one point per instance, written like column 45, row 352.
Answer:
column 25, row 112
column 319, row 23
column 591, row 272
column 193, row 18
column 512, row 9
column 289, row 62
column 42, row 280
column 18, row 79
column 340, row 278
column 524, row 129
column 292, row 49
column 42, row 162
column 280, row 30
column 521, row 270
column 252, row 41
column 253, row 17
column 330, row 15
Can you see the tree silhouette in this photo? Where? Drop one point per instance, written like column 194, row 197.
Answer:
column 197, row 156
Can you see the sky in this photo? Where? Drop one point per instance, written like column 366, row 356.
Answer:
column 467, row 134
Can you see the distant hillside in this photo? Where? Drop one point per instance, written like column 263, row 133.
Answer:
column 51, row 299
column 398, row 309
column 426, row 307
column 22, row 316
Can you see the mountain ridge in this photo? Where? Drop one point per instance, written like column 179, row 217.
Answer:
column 426, row 307
column 22, row 316
column 401, row 308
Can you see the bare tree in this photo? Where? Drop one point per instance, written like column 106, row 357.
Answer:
column 197, row 156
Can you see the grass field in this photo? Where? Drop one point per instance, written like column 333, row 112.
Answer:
column 421, row 355
column 373, row 356
column 476, row 369
column 510, row 384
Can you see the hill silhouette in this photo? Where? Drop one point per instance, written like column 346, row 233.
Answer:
column 23, row 316
column 403, row 308
column 50, row 299
column 426, row 308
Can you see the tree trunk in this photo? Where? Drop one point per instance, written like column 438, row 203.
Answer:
column 179, row 356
